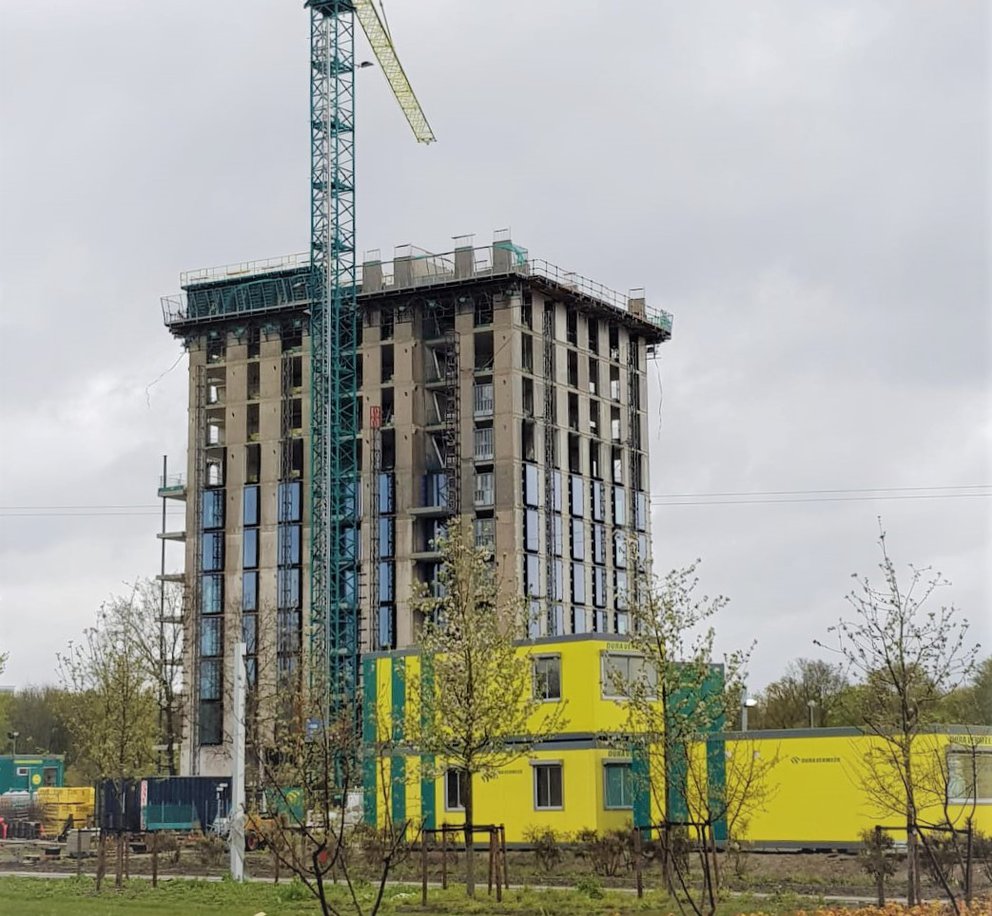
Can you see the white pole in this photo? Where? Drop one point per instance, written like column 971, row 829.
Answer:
column 236, row 836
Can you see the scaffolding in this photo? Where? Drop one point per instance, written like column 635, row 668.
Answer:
column 549, row 462
column 196, row 586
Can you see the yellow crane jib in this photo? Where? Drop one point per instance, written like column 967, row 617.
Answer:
column 385, row 53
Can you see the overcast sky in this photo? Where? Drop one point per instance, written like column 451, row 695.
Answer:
column 805, row 185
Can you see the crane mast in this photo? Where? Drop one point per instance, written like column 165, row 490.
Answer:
column 334, row 420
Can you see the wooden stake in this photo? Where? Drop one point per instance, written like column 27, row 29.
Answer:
column 638, row 873
column 879, row 867
column 423, row 868
column 444, row 857
column 502, row 842
column 154, row 860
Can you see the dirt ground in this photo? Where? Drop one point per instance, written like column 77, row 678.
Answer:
column 819, row 873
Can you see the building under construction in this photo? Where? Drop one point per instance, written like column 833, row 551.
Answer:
column 487, row 386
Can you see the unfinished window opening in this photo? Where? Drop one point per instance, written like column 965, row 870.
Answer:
column 253, row 463
column 296, row 373
column 294, row 457
column 527, row 352
column 528, row 397
column 573, row 369
column 437, row 322
column 254, row 381
column 254, row 342
column 251, row 422
column 215, row 432
column 388, row 407
column 614, row 383
column 572, row 327
column 483, row 312
column 528, row 448
column 483, row 443
column 594, row 418
column 593, row 376
column 573, row 411
column 295, row 408
column 527, row 312
column 574, row 458
column 614, row 342
column 386, row 320
column 388, row 449
column 483, row 400
column 386, row 365
column 615, row 424
column 483, row 344
column 616, row 455
column 215, row 471
column 594, row 468
column 292, row 339
column 216, row 348
column 593, row 335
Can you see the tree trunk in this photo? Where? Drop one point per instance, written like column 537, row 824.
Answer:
column 469, row 839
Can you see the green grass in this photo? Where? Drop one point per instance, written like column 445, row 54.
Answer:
column 59, row 897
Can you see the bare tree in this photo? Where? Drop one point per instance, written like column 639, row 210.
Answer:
column 677, row 698
column 475, row 690
column 910, row 654
column 308, row 760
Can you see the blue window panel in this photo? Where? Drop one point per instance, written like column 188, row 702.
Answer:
column 210, row 678
column 556, row 620
column 620, row 550
column 350, row 543
column 598, row 544
column 212, row 546
column 620, row 590
column 623, row 623
column 290, row 501
column 288, row 632
column 557, row 536
column 578, row 539
column 211, row 636
column 386, row 582
column 598, row 498
column 532, row 485
column 249, row 591
column 599, row 621
column 534, row 620
column 387, row 530
column 599, row 586
column 642, row 550
column 387, row 494
column 577, row 497
column 212, row 598
column 351, row 500
column 250, row 506
column 386, row 626
column 435, row 490
column 249, row 548
column 288, row 588
column 619, row 506
column 532, row 576
column 532, row 538
column 641, row 511
column 249, row 633
column 211, row 720
column 580, row 623
column 619, row 785
column 213, row 508
column 578, row 584
column 556, row 491
column 288, row 547
column 349, row 587
column 251, row 672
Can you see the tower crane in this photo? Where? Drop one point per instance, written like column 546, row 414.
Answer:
column 334, row 420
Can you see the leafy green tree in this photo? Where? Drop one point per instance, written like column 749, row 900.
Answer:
column 36, row 714
column 475, row 691
column 785, row 703
column 110, row 708
column 910, row 654
column 971, row 704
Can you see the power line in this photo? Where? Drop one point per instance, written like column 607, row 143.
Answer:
column 814, row 499
column 970, row 486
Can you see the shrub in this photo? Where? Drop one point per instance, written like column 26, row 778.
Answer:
column 609, row 853
column 589, row 886
column 875, row 854
column 547, row 847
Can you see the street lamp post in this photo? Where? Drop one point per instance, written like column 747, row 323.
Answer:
column 13, row 742
column 746, row 704
column 812, row 705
